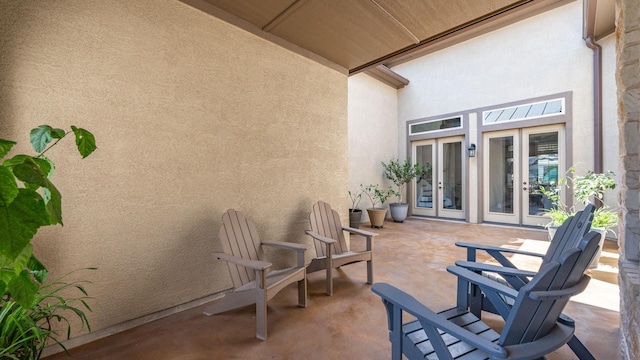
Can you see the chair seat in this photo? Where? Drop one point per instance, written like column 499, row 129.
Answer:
column 276, row 277
column 418, row 344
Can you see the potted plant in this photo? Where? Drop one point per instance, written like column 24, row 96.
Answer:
column 29, row 304
column 585, row 188
column 355, row 214
column 376, row 195
column 401, row 174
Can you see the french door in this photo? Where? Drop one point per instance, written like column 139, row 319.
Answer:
column 517, row 163
column 440, row 192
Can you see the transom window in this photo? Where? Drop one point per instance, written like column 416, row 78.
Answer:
column 525, row 111
column 435, row 125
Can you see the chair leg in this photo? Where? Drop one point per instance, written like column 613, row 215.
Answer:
column 261, row 305
column 261, row 314
column 370, row 272
column 329, row 281
column 302, row 292
column 579, row 349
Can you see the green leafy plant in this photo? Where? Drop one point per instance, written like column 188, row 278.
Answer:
column 377, row 195
column 585, row 188
column 403, row 173
column 29, row 200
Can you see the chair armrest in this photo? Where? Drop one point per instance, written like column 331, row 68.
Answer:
column 286, row 245
column 321, row 238
column 486, row 284
column 367, row 234
column 497, row 248
column 558, row 294
column 393, row 298
column 507, row 271
column 358, row 231
column 299, row 248
column 253, row 264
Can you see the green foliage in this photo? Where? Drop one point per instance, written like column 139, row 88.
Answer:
column 402, row 174
column 29, row 200
column 590, row 186
column 24, row 330
column 376, row 195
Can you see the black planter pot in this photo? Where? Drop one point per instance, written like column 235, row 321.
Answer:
column 355, row 217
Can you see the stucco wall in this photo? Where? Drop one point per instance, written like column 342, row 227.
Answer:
column 373, row 133
column 192, row 117
column 538, row 56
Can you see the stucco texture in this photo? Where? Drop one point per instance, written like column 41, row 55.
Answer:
column 373, row 133
column 538, row 56
column 192, row 116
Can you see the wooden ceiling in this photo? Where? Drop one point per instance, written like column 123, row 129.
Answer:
column 357, row 35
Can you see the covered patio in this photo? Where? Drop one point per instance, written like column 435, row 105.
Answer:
column 352, row 324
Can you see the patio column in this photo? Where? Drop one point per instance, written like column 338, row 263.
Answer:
column 628, row 83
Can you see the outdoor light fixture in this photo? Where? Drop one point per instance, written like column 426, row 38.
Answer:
column 472, row 150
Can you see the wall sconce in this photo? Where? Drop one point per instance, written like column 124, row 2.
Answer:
column 472, row 150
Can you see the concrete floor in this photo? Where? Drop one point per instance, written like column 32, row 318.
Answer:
column 352, row 324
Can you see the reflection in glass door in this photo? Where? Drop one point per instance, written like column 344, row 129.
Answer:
column 450, row 179
column 440, row 192
column 424, row 154
column 544, row 150
column 516, row 164
column 501, row 173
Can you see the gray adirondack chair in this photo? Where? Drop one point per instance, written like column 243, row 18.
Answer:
column 533, row 328
column 568, row 235
column 332, row 250
column 253, row 280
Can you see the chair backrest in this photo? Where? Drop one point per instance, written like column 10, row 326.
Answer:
column 570, row 233
column 239, row 237
column 326, row 222
column 539, row 304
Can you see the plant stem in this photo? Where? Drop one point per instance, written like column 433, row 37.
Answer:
column 52, row 145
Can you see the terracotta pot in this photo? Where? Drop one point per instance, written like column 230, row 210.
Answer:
column 376, row 217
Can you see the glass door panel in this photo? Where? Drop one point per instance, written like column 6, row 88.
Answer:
column 501, row 171
column 542, row 153
column 424, row 154
column 450, row 178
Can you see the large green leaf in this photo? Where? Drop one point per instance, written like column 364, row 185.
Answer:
column 5, row 146
column 30, row 172
column 40, row 137
column 20, row 262
column 20, row 221
column 46, row 165
column 8, row 186
column 18, row 159
column 85, row 141
column 23, row 289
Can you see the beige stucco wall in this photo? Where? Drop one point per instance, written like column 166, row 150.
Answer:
column 192, row 116
column 373, row 133
column 541, row 55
